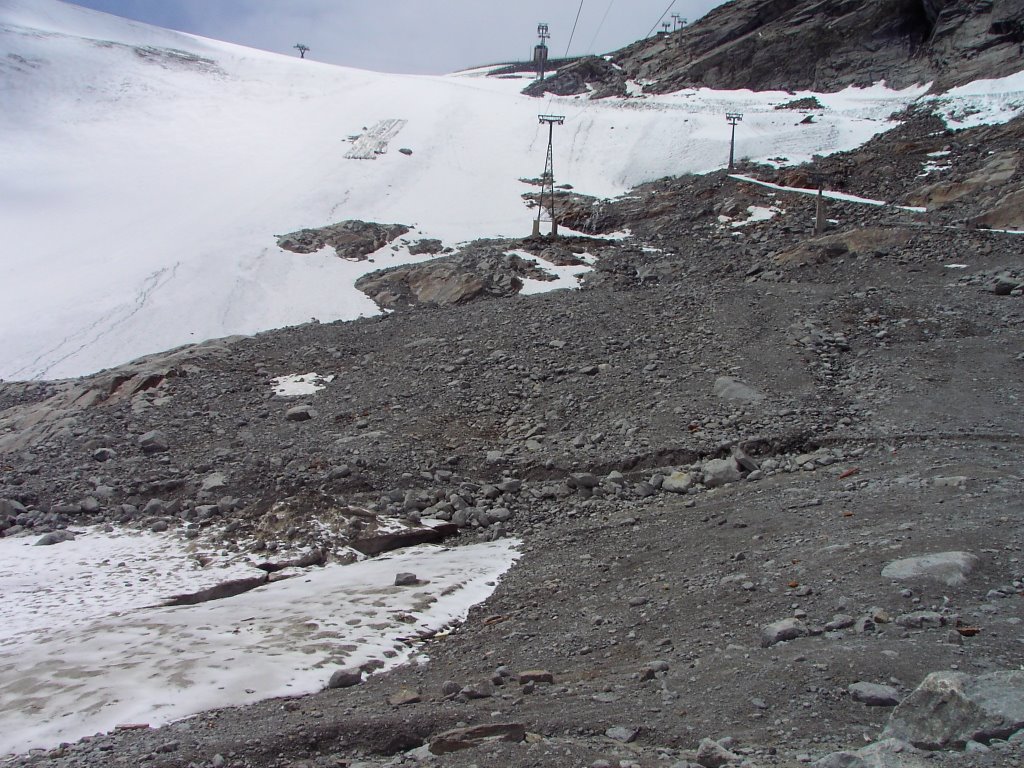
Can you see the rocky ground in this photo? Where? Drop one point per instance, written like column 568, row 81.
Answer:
column 724, row 458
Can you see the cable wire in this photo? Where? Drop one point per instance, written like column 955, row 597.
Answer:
column 573, row 33
column 601, row 25
column 660, row 18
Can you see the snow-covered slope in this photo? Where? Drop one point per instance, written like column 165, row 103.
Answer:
column 146, row 172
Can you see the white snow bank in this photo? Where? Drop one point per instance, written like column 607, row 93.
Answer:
column 983, row 102
column 156, row 665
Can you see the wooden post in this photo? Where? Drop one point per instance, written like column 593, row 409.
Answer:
column 819, row 217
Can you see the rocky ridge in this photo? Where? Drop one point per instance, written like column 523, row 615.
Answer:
column 821, row 45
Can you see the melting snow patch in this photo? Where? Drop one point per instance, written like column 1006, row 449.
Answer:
column 983, row 102
column 956, row 266
column 840, row 196
column 933, row 167
column 565, row 277
column 757, row 213
column 300, row 385
column 96, row 575
column 75, row 677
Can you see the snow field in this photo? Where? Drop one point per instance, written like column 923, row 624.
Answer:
column 142, row 191
column 65, row 676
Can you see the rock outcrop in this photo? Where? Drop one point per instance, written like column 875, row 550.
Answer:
column 596, row 76
column 830, row 44
column 354, row 240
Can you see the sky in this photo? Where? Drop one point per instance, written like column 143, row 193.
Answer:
column 411, row 36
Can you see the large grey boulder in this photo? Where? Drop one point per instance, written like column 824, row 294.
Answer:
column 950, row 568
column 719, row 472
column 677, row 482
column 888, row 753
column 949, row 709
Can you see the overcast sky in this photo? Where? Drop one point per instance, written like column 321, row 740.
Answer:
column 411, row 36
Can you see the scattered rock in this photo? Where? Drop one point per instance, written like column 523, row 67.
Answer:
column 874, row 695
column 624, row 734
column 154, row 442
column 781, row 631
column 345, row 678
column 300, row 413
column 55, row 537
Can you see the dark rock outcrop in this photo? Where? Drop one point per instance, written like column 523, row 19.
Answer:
column 353, row 239
column 592, row 74
column 830, row 44
column 456, row 279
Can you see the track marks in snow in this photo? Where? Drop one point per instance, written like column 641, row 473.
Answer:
column 373, row 142
column 104, row 325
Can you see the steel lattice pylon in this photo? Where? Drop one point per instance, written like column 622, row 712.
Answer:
column 547, row 180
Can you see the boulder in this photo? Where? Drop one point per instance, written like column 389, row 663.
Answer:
column 345, row 678
column 56, row 537
column 781, row 631
column 719, row 472
column 300, row 413
column 677, row 482
column 949, row 709
column 711, row 754
column 950, row 568
column 154, row 442
column 888, row 753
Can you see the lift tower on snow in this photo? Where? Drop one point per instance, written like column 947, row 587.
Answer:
column 547, row 181
column 733, row 118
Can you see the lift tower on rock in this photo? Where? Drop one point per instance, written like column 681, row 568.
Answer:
column 540, row 51
column 547, row 181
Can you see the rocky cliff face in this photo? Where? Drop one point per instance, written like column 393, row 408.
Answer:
column 830, row 44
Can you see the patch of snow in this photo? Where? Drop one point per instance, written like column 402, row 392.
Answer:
column 933, row 167
column 96, row 575
column 757, row 213
column 635, row 90
column 831, row 195
column 983, row 102
column 567, row 277
column 956, row 266
column 300, row 384
column 156, row 665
